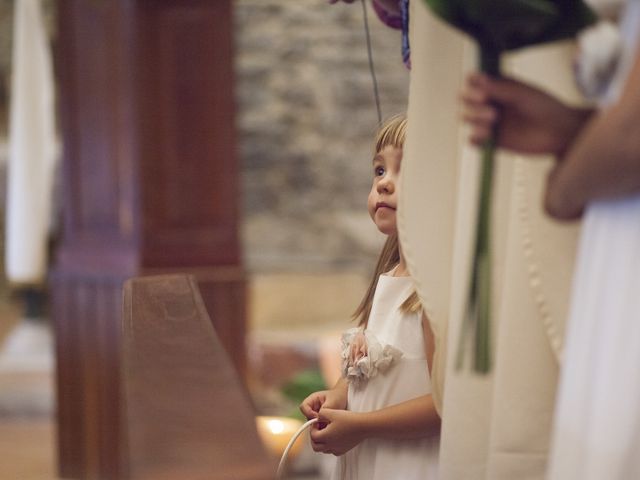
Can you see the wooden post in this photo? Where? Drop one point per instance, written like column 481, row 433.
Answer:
column 150, row 185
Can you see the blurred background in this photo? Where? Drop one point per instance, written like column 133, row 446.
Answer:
column 304, row 118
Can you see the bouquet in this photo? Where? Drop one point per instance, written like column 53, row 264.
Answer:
column 499, row 26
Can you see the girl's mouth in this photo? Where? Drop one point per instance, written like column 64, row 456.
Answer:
column 383, row 205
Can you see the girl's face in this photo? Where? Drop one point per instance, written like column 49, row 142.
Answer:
column 383, row 197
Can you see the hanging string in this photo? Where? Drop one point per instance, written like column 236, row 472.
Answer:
column 376, row 95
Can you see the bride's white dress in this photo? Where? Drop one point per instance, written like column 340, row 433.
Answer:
column 597, row 425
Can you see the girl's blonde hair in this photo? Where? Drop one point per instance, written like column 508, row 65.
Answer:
column 392, row 132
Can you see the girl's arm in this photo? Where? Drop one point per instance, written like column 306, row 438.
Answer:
column 341, row 430
column 335, row 398
column 414, row 418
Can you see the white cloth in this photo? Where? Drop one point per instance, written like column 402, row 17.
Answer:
column 32, row 147
column 406, row 378
column 496, row 426
column 597, row 426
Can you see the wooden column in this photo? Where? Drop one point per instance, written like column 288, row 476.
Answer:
column 150, row 186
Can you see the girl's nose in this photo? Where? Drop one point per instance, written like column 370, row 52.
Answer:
column 385, row 185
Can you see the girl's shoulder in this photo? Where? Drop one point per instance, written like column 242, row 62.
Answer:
column 394, row 289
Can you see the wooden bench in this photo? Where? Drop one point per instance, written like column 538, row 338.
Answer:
column 186, row 415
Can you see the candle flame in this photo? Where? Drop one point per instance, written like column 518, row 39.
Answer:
column 276, row 426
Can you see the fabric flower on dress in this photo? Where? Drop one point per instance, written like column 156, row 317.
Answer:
column 363, row 356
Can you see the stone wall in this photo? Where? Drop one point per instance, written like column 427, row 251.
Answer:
column 306, row 119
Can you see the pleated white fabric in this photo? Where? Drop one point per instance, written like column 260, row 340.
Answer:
column 597, row 426
column 32, row 147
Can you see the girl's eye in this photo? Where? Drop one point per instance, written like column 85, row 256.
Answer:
column 379, row 171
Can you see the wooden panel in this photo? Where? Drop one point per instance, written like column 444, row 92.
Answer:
column 188, row 149
column 96, row 88
column 86, row 317
column 69, row 391
column 187, row 413
column 147, row 110
column 92, row 54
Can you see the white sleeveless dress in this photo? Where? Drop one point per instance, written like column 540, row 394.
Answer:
column 398, row 372
column 597, row 424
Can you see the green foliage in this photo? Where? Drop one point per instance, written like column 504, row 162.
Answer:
column 301, row 386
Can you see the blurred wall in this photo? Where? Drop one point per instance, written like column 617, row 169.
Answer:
column 306, row 119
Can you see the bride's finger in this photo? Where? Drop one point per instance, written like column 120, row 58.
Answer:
column 474, row 97
column 480, row 116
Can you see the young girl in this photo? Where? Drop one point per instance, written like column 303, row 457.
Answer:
column 380, row 418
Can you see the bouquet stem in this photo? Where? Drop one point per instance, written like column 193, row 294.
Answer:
column 478, row 308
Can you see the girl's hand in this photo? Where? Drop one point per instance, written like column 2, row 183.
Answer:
column 337, row 431
column 336, row 398
column 530, row 120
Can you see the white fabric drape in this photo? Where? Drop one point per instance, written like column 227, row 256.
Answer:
column 32, row 147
